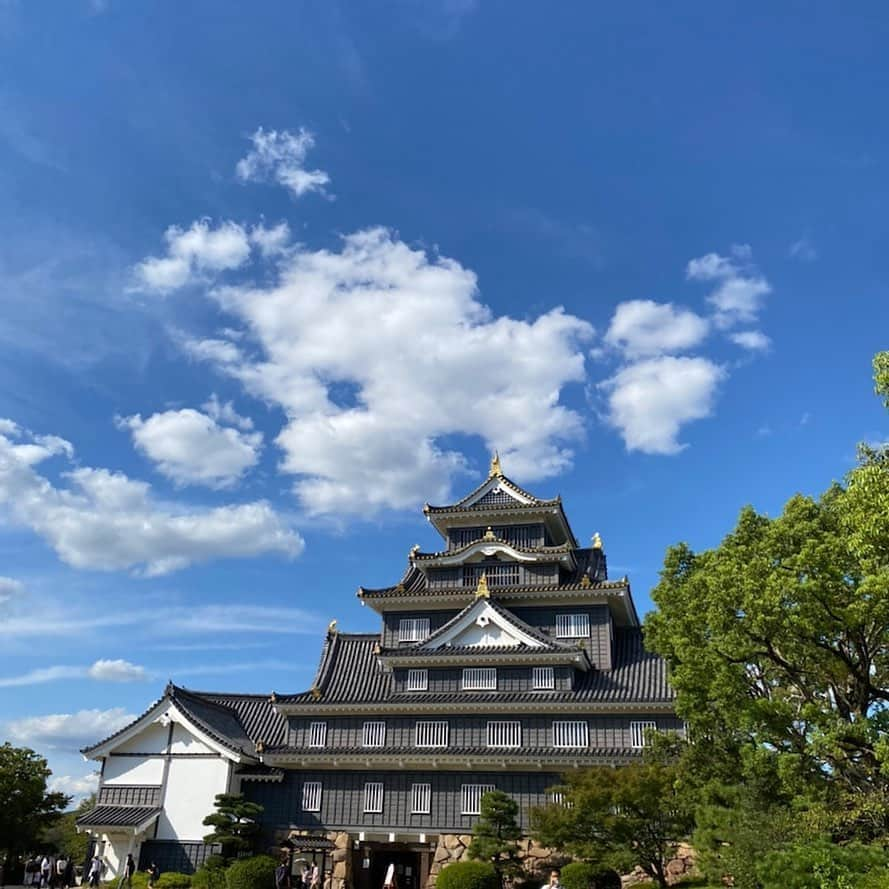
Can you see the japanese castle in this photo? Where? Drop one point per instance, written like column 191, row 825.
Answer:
column 503, row 660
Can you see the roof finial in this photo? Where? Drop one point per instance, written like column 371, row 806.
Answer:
column 489, row 534
column 316, row 693
column 495, row 469
column 597, row 541
column 331, row 628
column 482, row 591
column 415, row 549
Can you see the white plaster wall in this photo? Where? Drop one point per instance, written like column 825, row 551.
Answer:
column 152, row 739
column 185, row 742
column 116, row 846
column 192, row 786
column 133, row 770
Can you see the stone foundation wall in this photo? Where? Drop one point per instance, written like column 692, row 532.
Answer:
column 340, row 857
column 537, row 861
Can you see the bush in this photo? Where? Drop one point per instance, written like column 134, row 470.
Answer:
column 173, row 880
column 821, row 865
column 465, row 875
column 578, row 875
column 257, row 872
column 209, row 878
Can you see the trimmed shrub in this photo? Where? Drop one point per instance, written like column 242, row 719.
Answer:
column 257, row 872
column 578, row 875
column 173, row 880
column 466, row 875
column 208, row 878
column 820, row 865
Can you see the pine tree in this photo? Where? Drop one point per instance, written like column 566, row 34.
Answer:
column 235, row 823
column 496, row 833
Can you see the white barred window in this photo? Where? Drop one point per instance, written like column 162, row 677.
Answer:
column 638, row 730
column 374, row 734
column 471, row 797
column 373, row 796
column 432, row 734
column 543, row 677
column 317, row 734
column 417, row 680
column 572, row 626
column 413, row 629
column 421, row 799
column 570, row 733
column 312, row 796
column 505, row 733
column 480, row 679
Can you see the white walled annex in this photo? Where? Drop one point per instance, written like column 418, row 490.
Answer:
column 192, row 785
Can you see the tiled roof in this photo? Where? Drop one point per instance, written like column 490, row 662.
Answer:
column 477, row 754
column 590, row 563
column 118, row 816
column 234, row 720
column 547, row 641
column 350, row 673
column 504, row 482
column 483, row 541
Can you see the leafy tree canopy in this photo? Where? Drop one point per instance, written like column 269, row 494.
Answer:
column 26, row 806
column 618, row 817
column 496, row 833
column 63, row 837
column 781, row 633
column 235, row 823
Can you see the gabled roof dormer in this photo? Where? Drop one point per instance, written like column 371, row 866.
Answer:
column 499, row 499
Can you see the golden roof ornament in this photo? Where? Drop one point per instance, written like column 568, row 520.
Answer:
column 597, row 541
column 273, row 698
column 495, row 469
column 415, row 549
column 331, row 628
column 259, row 745
column 482, row 591
column 489, row 534
column 377, row 649
column 585, row 582
column 316, row 693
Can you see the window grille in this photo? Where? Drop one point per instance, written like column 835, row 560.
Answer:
column 431, row 734
column 421, row 799
column 570, row 733
column 471, row 797
column 417, row 680
column 638, row 730
column 413, row 629
column 373, row 797
column 572, row 626
column 505, row 733
column 517, row 535
column 374, row 734
column 317, row 734
column 479, row 679
column 556, row 797
column 312, row 796
column 543, row 677
column 507, row 574
column 129, row 795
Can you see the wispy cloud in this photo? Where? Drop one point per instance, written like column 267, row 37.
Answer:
column 101, row 670
column 280, row 156
column 67, row 731
column 803, row 250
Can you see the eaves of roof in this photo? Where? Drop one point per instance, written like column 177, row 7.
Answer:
column 118, row 816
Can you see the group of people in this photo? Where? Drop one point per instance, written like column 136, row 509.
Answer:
column 50, row 872
column 310, row 878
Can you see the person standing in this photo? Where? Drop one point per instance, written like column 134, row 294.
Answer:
column 152, row 875
column 95, row 872
column 553, row 881
column 129, row 868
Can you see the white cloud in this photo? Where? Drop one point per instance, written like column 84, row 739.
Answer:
column 77, row 786
column 102, row 670
column 193, row 252
column 271, row 241
column 10, row 588
column 280, row 157
column 192, row 448
column 116, row 671
column 377, row 351
column 104, row 520
column 60, row 620
column 754, row 340
column 803, row 250
column 225, row 413
column 641, row 328
column 649, row 402
column 740, row 289
column 67, row 731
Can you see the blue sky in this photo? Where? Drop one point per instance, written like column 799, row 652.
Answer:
column 272, row 277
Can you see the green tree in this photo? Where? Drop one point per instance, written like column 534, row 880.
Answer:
column 26, row 806
column 235, row 823
column 618, row 817
column 63, row 835
column 881, row 376
column 781, row 633
column 496, row 834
